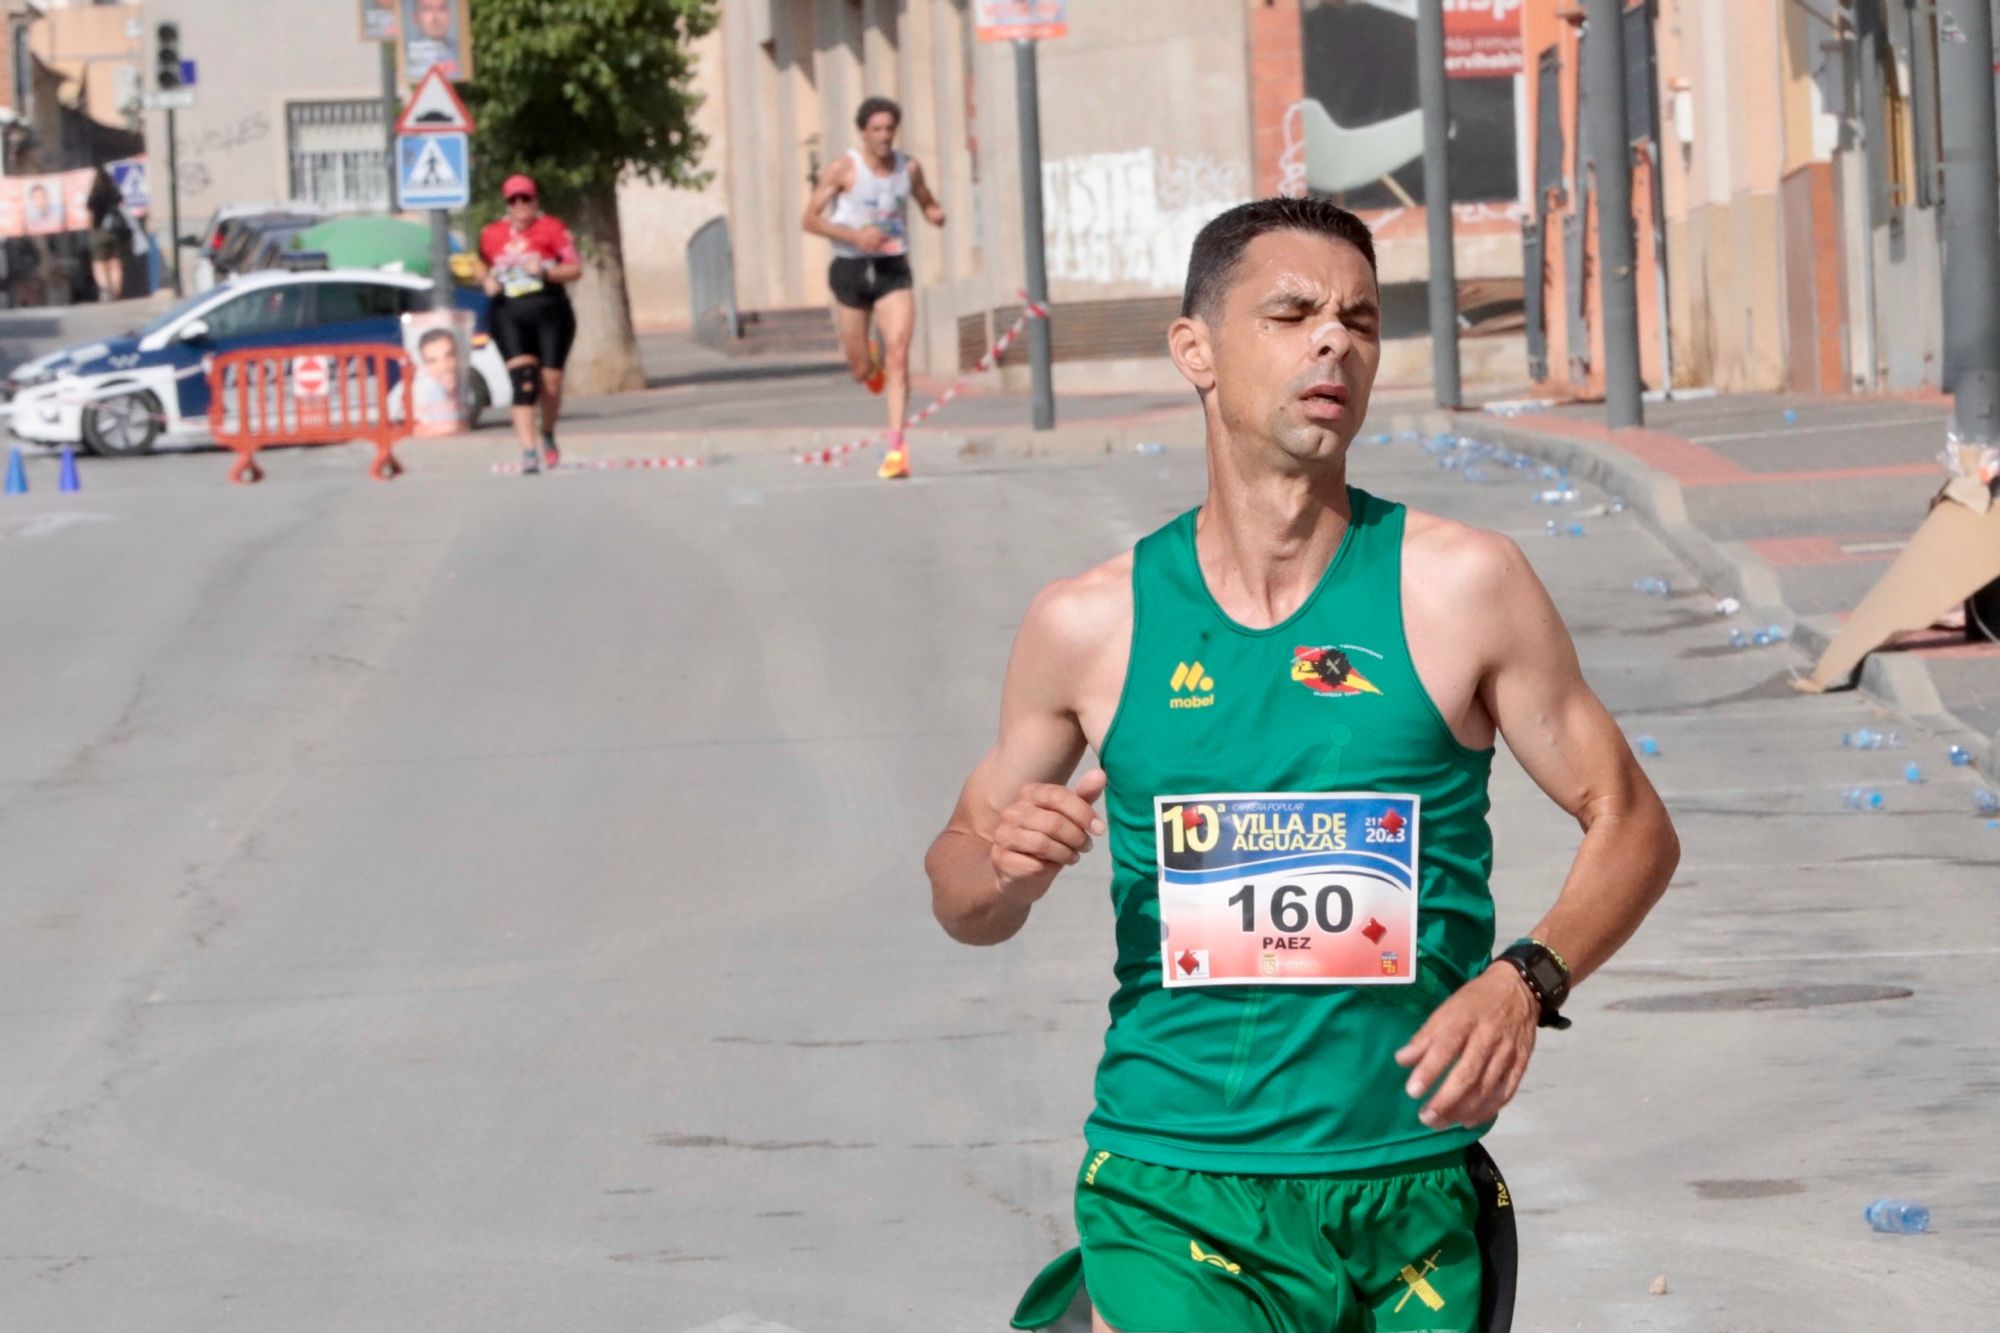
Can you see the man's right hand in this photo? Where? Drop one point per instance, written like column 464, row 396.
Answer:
column 1047, row 828
column 871, row 240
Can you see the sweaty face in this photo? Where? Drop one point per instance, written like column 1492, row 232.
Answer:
column 880, row 133
column 434, row 18
column 1296, row 342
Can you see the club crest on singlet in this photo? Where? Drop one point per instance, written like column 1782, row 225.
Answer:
column 1329, row 669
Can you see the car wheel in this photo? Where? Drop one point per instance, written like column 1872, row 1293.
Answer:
column 482, row 398
column 127, row 423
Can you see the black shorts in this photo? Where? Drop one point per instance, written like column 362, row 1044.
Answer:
column 539, row 326
column 860, row 281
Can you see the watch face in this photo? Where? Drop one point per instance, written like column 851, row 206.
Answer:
column 1548, row 976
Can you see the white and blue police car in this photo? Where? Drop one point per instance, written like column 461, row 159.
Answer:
column 127, row 395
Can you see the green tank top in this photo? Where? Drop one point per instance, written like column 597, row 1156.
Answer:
column 1257, row 1077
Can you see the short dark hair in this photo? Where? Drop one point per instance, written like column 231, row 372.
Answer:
column 874, row 107
column 1218, row 248
column 432, row 335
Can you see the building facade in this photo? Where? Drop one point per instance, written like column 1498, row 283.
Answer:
column 1155, row 115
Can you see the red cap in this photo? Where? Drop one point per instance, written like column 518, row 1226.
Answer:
column 519, row 184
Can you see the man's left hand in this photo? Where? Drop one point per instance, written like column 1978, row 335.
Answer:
column 935, row 213
column 1484, row 1034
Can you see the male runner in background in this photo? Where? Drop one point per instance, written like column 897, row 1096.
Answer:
column 1293, row 693
column 870, row 188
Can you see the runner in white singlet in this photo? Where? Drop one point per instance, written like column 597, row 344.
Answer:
column 868, row 190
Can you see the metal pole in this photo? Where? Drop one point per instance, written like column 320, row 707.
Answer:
column 173, row 201
column 1971, row 217
column 441, row 258
column 392, row 107
column 1027, row 96
column 1431, row 87
column 1604, row 95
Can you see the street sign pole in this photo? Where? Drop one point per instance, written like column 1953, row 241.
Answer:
column 440, row 259
column 1604, row 95
column 1971, row 218
column 1027, row 96
column 173, row 202
column 1431, row 87
column 392, row 107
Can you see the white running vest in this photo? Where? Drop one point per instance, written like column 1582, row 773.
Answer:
column 874, row 201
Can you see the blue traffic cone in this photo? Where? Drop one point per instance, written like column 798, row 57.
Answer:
column 67, row 480
column 17, row 473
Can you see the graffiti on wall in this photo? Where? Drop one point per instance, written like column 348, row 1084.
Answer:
column 1132, row 217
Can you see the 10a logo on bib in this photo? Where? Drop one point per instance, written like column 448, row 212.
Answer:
column 1278, row 888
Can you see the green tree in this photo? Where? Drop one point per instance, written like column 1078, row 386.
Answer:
column 580, row 95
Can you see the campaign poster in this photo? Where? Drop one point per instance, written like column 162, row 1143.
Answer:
column 439, row 345
column 435, row 33
column 378, row 20
column 45, row 205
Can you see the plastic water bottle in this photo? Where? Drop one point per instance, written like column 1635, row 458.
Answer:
column 1791, row 416
column 1898, row 1217
column 1616, row 504
column 1738, row 639
column 1728, row 606
column 1986, row 802
column 1911, row 773
column 1960, row 756
column 1862, row 798
column 1648, row 746
column 1869, row 739
column 1560, row 495
column 1151, row 448
column 1652, row 587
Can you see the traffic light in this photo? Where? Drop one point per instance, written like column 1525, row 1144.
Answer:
column 167, row 61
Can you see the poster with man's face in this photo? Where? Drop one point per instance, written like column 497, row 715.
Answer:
column 439, row 346
column 436, row 33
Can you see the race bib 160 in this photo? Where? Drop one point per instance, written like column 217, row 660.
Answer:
column 1275, row 888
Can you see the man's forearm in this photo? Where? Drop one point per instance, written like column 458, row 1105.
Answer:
column 965, row 897
column 1620, row 871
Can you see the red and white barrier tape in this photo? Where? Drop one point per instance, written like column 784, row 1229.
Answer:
column 671, row 463
column 836, row 455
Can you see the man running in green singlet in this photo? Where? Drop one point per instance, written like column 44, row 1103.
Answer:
column 1293, row 694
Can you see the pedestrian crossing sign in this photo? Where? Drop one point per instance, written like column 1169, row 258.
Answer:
column 433, row 171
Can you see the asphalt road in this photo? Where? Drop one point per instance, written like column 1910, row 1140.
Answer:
column 493, row 904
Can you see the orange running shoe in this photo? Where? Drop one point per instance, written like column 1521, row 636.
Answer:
column 895, row 465
column 878, row 375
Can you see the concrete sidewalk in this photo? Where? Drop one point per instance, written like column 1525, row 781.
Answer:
column 1796, row 505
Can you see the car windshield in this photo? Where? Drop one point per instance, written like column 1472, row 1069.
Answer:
column 174, row 312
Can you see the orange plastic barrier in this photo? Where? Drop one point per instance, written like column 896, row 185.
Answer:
column 309, row 395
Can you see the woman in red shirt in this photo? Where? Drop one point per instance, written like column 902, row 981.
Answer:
column 527, row 259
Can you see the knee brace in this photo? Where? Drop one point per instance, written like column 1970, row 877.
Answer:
column 527, row 384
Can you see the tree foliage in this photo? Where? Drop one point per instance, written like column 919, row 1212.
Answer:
column 580, row 94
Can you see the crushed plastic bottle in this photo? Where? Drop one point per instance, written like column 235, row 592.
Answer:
column 1150, row 448
column 1862, row 798
column 1912, row 773
column 1728, row 606
column 1653, row 587
column 1960, row 756
column 1560, row 495
column 1616, row 505
column 1870, row 739
column 1986, row 802
column 1474, row 474
column 1791, row 416
column 1738, row 639
column 1898, row 1217
column 1648, row 746
column 1550, row 472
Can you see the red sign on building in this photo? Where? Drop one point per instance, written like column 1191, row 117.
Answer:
column 1482, row 38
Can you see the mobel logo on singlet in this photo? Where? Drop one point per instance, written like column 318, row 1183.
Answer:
column 1191, row 687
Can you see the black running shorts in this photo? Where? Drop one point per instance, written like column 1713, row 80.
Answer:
column 859, row 282
column 540, row 326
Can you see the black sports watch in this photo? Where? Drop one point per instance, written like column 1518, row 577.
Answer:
column 1547, row 976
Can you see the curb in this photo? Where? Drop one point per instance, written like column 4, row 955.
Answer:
column 1898, row 680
